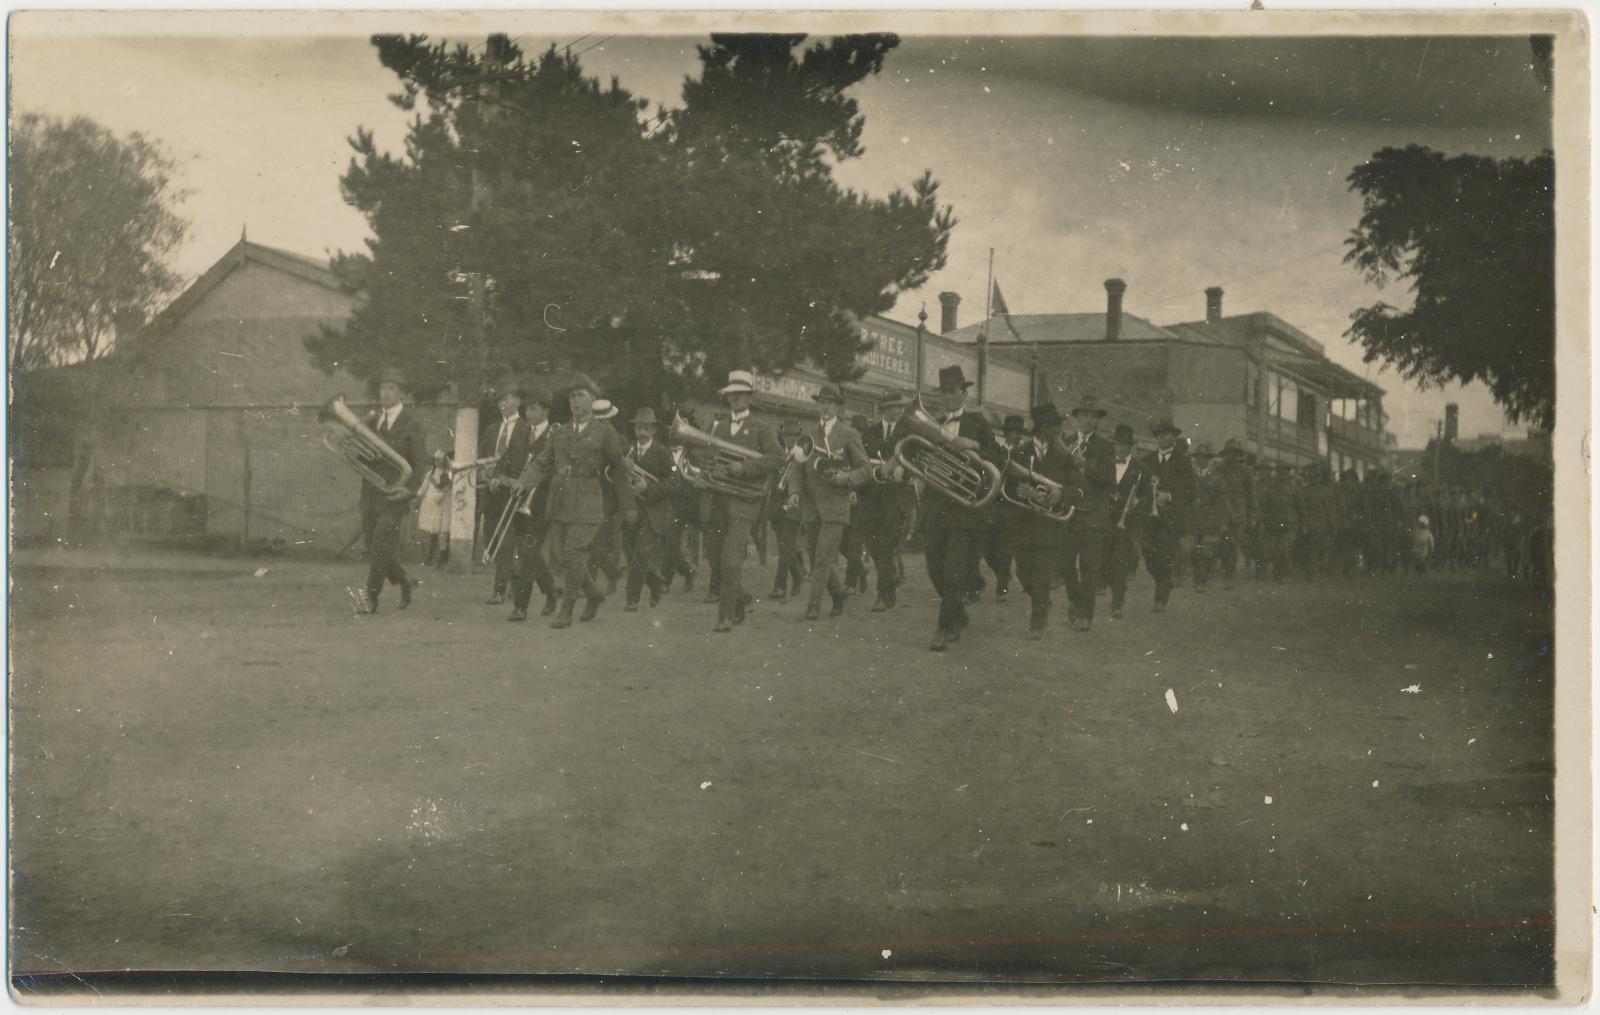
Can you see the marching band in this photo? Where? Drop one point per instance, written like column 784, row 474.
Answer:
column 1072, row 509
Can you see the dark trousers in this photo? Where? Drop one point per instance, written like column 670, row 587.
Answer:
column 998, row 551
column 1310, row 551
column 1227, row 553
column 733, row 543
column 646, row 560
column 1085, row 550
column 853, row 544
column 682, row 548
column 1121, row 560
column 380, row 522
column 1205, row 557
column 528, row 564
column 569, row 543
column 882, row 535
column 825, row 565
column 1037, row 568
column 952, row 556
column 605, row 550
column 1161, row 552
column 1276, row 544
column 791, row 566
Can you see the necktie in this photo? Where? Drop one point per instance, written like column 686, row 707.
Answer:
column 505, row 439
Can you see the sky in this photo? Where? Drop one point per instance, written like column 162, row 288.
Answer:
column 1174, row 164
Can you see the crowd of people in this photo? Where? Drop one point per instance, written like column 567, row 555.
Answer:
column 584, row 510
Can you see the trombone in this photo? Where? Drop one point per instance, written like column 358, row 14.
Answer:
column 964, row 476
column 345, row 435
column 519, row 502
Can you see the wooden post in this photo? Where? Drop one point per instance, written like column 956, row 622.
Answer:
column 463, row 494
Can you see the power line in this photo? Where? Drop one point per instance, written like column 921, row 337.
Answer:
column 586, row 49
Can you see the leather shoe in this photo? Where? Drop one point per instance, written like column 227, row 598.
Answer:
column 518, row 614
column 495, row 600
column 838, row 606
column 738, row 611
column 549, row 605
column 778, row 595
column 813, row 611
column 591, row 606
column 880, row 606
column 655, row 598
column 562, row 620
column 405, row 593
column 723, row 627
column 712, row 597
column 938, row 641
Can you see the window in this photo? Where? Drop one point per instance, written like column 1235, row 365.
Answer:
column 1306, row 416
column 1288, row 399
column 1252, row 385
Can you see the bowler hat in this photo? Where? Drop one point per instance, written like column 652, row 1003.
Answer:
column 739, row 380
column 1167, row 426
column 829, row 392
column 953, row 380
column 392, row 375
column 1123, row 434
column 1088, row 405
column 1045, row 414
column 892, row 400
column 646, row 416
column 1013, row 424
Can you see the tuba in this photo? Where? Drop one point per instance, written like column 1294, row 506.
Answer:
column 1043, row 496
column 963, row 476
column 345, row 435
column 714, row 475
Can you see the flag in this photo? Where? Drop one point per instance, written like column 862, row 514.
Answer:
column 1004, row 311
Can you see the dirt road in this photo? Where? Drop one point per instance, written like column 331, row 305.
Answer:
column 214, row 770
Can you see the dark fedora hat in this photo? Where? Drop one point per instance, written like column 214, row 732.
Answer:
column 1013, row 424
column 893, row 400
column 1123, row 434
column 1166, row 426
column 1090, row 406
column 831, row 393
column 1045, row 414
column 392, row 375
column 953, row 380
column 646, row 416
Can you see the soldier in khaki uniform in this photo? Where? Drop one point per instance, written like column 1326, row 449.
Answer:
column 577, row 461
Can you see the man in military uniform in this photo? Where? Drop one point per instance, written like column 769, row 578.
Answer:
column 836, row 462
column 1041, row 542
column 528, row 564
column 1279, row 518
column 1085, row 548
column 1171, row 490
column 1128, row 489
column 736, row 514
column 646, row 542
column 952, row 533
column 1239, row 494
column 582, row 459
column 383, row 513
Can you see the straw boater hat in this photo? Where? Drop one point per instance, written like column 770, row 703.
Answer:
column 646, row 416
column 603, row 409
column 739, row 380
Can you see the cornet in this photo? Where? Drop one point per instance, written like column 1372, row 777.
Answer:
column 826, row 465
column 964, row 476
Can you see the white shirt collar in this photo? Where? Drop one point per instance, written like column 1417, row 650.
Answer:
column 739, row 417
column 391, row 414
column 538, row 430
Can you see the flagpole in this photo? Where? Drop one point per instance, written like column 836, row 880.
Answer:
column 983, row 335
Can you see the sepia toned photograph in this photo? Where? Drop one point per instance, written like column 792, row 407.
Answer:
column 913, row 506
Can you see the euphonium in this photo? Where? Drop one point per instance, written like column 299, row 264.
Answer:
column 1040, row 494
column 715, row 475
column 963, row 476
column 345, row 435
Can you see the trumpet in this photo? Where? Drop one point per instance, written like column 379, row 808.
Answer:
column 826, row 465
column 1155, row 496
column 716, row 475
column 1133, row 494
column 1043, row 496
column 345, row 435
column 963, row 476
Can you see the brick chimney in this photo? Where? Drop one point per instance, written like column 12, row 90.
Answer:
column 1214, row 304
column 1115, row 287
column 948, row 302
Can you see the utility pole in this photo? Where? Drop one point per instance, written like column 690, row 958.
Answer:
column 463, row 491
column 1438, row 447
column 983, row 335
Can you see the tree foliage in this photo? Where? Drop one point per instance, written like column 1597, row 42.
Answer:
column 653, row 251
column 92, row 220
column 1474, row 238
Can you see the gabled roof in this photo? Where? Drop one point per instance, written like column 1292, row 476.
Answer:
column 1060, row 328
column 298, row 265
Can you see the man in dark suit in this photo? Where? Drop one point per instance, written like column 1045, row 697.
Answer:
column 646, row 542
column 1086, row 533
column 783, row 511
column 1127, row 492
column 737, row 515
column 1038, row 540
column 383, row 513
column 582, row 458
column 881, row 513
column 509, row 448
column 836, row 462
column 998, row 550
column 952, row 533
column 1172, row 490
column 528, row 564
column 683, row 543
